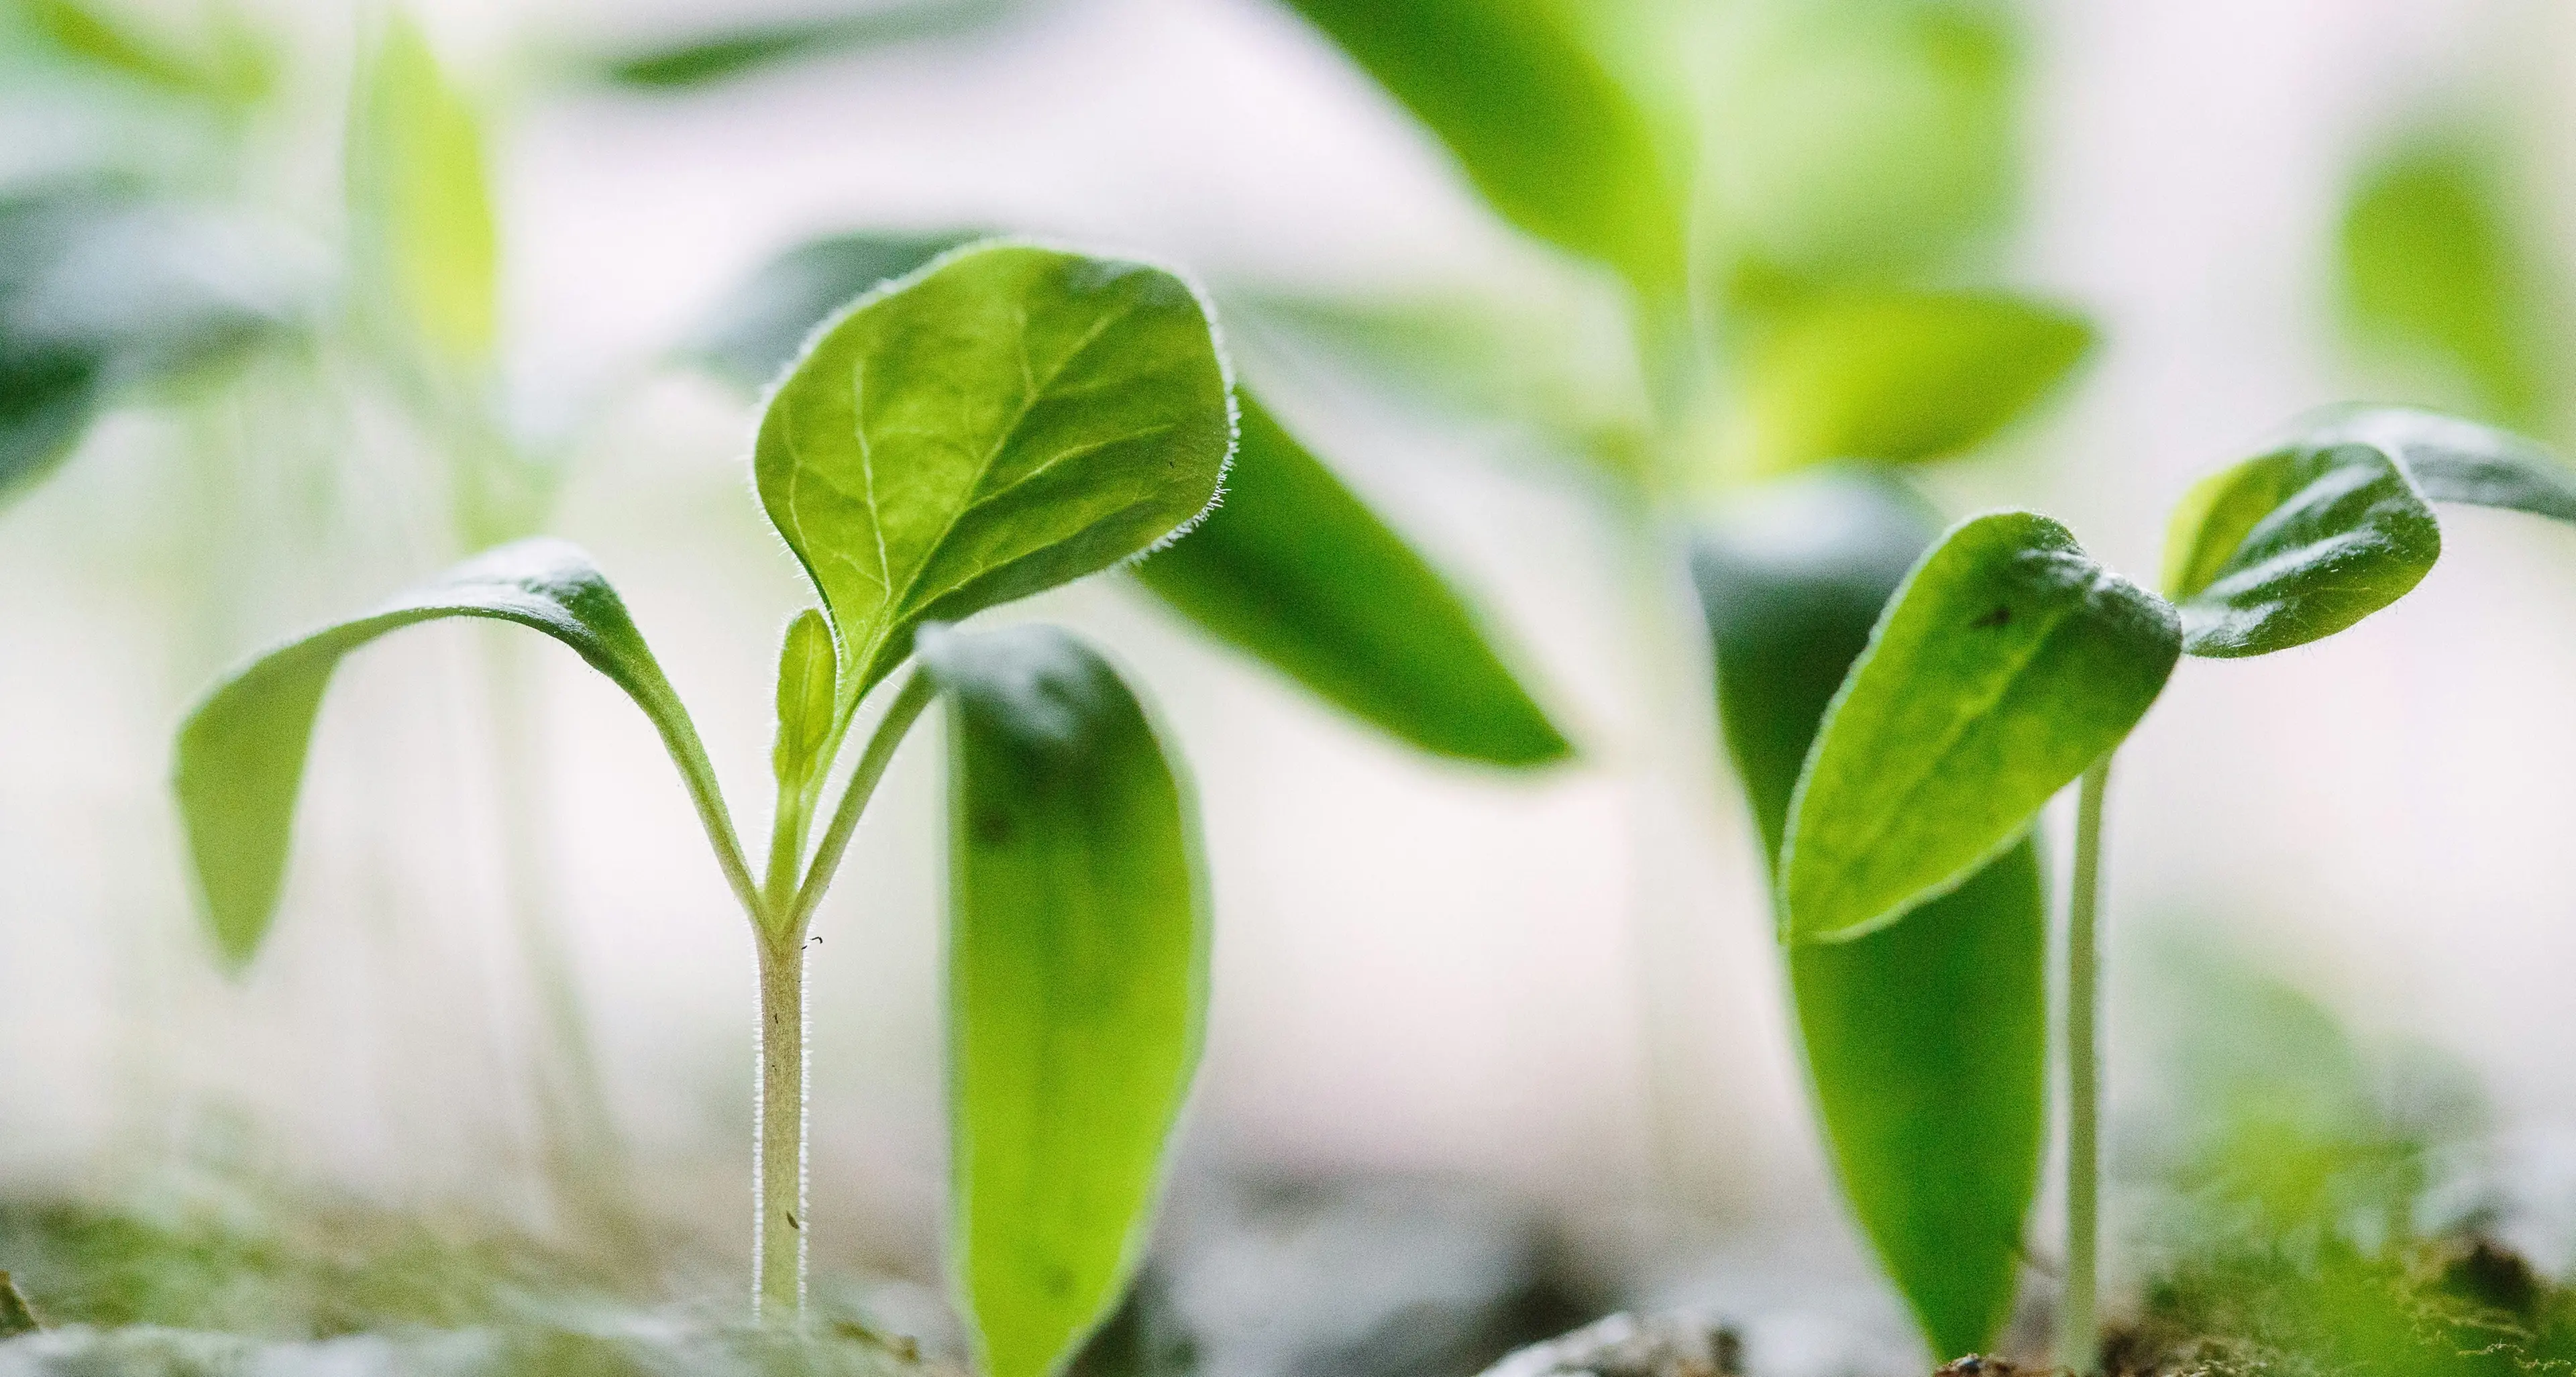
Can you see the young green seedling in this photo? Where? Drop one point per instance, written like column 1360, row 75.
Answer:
column 1008, row 419
column 2009, row 664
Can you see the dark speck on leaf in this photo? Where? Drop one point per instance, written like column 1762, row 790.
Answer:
column 2001, row 616
column 992, row 829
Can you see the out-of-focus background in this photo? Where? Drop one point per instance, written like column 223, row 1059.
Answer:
column 1560, row 987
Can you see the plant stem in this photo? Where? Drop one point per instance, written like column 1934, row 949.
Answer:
column 778, row 1135
column 2078, row 1338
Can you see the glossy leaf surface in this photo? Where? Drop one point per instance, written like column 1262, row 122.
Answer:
column 1538, row 123
column 2006, row 665
column 1935, row 1119
column 759, row 329
column 2455, row 460
column 1898, row 377
column 2433, row 266
column 421, row 197
column 1077, row 976
column 1008, row 420
column 2295, row 545
column 102, row 294
column 241, row 751
column 1296, row 571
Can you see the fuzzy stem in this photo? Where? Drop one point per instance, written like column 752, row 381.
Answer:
column 2078, row 1335
column 778, row 1134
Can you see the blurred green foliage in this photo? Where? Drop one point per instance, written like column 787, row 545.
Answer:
column 711, row 58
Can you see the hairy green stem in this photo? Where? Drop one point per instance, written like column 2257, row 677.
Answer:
column 778, row 1134
column 915, row 695
column 2078, row 1334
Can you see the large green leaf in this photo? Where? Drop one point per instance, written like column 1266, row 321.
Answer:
column 1077, row 976
column 1536, row 120
column 2295, row 545
column 1009, row 419
column 102, row 293
column 1295, row 570
column 1897, row 377
column 241, row 751
column 421, row 198
column 2454, row 460
column 1936, row 1121
column 759, row 327
column 2433, row 265
column 2007, row 664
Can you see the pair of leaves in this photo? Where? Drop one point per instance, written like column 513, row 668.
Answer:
column 2010, row 661
column 103, row 293
column 1010, row 419
column 1293, row 569
column 1926, row 1042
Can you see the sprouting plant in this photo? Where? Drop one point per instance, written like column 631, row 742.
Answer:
column 1008, row 419
column 2009, row 663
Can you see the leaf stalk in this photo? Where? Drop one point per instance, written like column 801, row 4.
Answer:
column 2078, row 1332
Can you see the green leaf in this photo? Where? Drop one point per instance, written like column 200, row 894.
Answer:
column 719, row 57
column 1007, row 420
column 16, row 1316
column 2006, row 665
column 1077, row 974
column 1294, row 570
column 807, row 699
column 2453, row 460
column 2295, row 545
column 1898, row 377
column 1936, row 1121
column 103, row 293
column 421, row 198
column 241, row 751
column 760, row 328
column 2433, row 266
column 1536, row 120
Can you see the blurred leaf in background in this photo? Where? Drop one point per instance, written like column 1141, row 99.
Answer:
column 230, row 65
column 105, row 293
column 420, row 198
column 728, row 54
column 761, row 325
column 2437, row 267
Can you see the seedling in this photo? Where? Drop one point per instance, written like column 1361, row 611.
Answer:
column 2009, row 664
column 1006, row 420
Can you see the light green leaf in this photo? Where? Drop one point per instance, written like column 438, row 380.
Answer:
column 1935, row 1120
column 759, row 329
column 710, row 59
column 2294, row 546
column 2453, row 460
column 241, row 751
column 421, row 199
column 1898, row 377
column 103, row 294
column 1535, row 119
column 239, row 69
column 1007, row 420
column 807, row 699
column 2434, row 267
column 1296, row 571
column 1077, row 973
column 2006, row 665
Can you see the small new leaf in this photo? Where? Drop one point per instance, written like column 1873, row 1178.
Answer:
column 1077, row 978
column 2296, row 545
column 241, row 751
column 1297, row 571
column 807, row 666
column 1007, row 420
column 2007, row 663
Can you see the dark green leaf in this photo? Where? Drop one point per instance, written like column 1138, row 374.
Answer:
column 421, row 198
column 16, row 1316
column 2007, row 664
column 719, row 57
column 241, row 750
column 761, row 327
column 1296, row 571
column 1935, row 1119
column 1538, row 123
column 1898, row 377
column 2452, row 460
column 1009, row 419
column 2295, row 545
column 1077, row 970
column 2434, row 267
